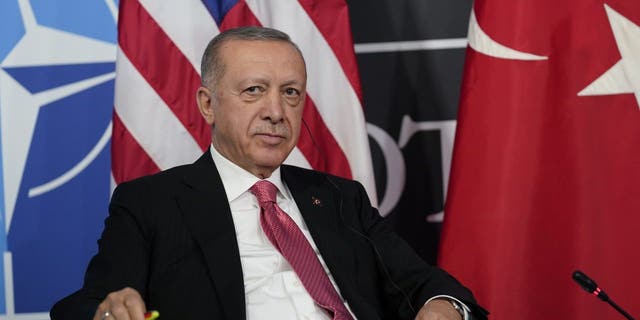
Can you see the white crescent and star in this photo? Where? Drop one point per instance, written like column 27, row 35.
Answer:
column 622, row 78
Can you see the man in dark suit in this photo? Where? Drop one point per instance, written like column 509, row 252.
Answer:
column 238, row 235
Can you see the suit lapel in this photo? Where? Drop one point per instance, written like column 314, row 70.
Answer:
column 208, row 216
column 318, row 202
column 206, row 210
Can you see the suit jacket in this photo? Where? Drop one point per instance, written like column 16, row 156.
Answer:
column 171, row 237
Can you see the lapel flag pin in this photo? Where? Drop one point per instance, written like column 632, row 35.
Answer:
column 316, row 201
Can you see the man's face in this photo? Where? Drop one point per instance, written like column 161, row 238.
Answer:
column 256, row 108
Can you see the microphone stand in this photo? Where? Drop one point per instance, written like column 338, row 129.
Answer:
column 615, row 306
column 590, row 286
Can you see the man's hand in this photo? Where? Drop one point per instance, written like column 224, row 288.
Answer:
column 125, row 304
column 438, row 309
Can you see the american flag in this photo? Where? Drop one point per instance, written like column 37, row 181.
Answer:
column 156, row 123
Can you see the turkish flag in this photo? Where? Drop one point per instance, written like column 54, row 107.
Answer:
column 546, row 166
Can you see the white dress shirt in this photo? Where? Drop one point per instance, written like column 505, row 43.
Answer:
column 272, row 289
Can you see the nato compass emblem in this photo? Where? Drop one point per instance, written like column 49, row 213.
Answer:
column 57, row 70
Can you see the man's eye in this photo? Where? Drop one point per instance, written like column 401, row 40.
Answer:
column 253, row 89
column 291, row 92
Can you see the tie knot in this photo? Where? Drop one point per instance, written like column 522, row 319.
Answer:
column 265, row 191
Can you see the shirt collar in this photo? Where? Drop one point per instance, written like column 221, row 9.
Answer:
column 237, row 180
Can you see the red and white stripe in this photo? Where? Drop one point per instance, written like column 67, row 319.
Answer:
column 157, row 124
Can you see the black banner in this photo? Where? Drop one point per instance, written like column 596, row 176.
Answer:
column 410, row 55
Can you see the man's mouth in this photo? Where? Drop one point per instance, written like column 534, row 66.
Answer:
column 270, row 138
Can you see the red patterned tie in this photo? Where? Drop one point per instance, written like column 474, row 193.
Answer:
column 285, row 235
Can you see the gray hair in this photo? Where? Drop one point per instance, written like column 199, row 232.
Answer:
column 212, row 68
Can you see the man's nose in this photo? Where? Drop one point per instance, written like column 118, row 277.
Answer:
column 273, row 109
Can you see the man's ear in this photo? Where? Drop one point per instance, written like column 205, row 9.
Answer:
column 204, row 97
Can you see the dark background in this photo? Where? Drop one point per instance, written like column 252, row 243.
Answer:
column 423, row 84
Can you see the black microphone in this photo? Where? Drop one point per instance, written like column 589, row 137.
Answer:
column 592, row 287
